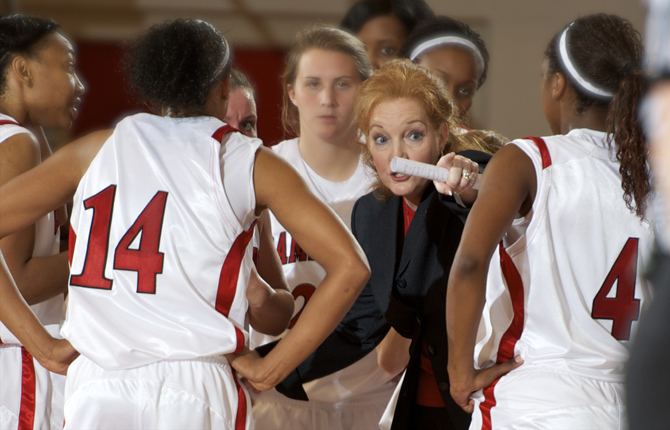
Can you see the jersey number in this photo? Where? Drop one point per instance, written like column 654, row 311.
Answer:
column 305, row 291
column 623, row 308
column 146, row 259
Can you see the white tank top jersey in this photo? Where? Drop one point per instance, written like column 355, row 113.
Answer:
column 363, row 380
column 302, row 273
column 160, row 225
column 50, row 312
column 565, row 288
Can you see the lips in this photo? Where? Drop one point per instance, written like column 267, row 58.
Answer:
column 397, row 177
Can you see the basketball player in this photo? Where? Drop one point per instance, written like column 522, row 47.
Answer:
column 241, row 114
column 383, row 25
column 570, row 210
column 39, row 87
column 163, row 210
column 453, row 51
column 324, row 70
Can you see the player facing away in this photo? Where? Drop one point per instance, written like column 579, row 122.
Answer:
column 324, row 71
column 561, row 219
column 163, row 211
column 39, row 87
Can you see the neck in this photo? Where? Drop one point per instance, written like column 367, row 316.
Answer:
column 13, row 108
column 335, row 160
column 594, row 118
column 413, row 199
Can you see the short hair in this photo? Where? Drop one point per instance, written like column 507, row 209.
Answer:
column 408, row 12
column 238, row 79
column 328, row 39
column 403, row 79
column 176, row 63
column 19, row 34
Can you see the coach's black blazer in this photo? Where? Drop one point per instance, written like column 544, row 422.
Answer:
column 406, row 290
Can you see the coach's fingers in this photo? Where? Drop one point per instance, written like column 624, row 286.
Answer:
column 445, row 161
column 485, row 377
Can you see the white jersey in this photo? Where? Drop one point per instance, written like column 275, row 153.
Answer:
column 50, row 312
column 160, row 224
column 363, row 379
column 567, row 281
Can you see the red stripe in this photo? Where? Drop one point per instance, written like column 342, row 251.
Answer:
column 511, row 336
column 72, row 239
column 27, row 411
column 544, row 151
column 222, row 131
column 8, row 122
column 230, row 272
column 239, row 338
column 241, row 414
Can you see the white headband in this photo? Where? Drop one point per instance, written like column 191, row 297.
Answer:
column 450, row 40
column 574, row 73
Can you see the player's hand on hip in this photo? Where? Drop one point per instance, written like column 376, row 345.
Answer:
column 58, row 356
column 464, row 384
column 252, row 368
column 462, row 177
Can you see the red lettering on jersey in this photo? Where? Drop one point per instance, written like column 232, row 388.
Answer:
column 281, row 248
column 305, row 291
column 623, row 308
column 146, row 260
column 93, row 273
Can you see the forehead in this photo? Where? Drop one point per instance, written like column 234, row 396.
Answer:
column 450, row 60
column 383, row 27
column 398, row 112
column 55, row 44
column 241, row 102
column 321, row 62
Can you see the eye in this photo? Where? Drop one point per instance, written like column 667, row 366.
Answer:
column 415, row 135
column 388, row 51
column 248, row 125
column 379, row 139
column 343, row 84
column 465, row 92
column 312, row 84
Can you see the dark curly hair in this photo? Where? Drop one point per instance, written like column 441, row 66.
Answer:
column 409, row 12
column 19, row 34
column 176, row 63
column 607, row 51
column 444, row 25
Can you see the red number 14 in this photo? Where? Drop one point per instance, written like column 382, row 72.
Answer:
column 146, row 260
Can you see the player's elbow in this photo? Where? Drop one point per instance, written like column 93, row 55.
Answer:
column 466, row 266
column 357, row 272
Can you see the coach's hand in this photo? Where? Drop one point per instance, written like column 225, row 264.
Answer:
column 463, row 384
column 57, row 356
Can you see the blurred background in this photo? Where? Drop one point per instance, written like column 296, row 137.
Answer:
column 516, row 32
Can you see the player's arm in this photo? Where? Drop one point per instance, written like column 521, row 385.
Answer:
column 393, row 352
column 507, row 189
column 38, row 278
column 23, row 200
column 325, row 238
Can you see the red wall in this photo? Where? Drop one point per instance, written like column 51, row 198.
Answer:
column 108, row 99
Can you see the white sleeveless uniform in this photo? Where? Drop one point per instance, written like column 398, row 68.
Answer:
column 564, row 291
column 30, row 395
column 354, row 397
column 161, row 222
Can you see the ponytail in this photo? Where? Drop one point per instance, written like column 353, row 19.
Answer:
column 625, row 130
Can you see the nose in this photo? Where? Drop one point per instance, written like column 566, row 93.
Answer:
column 79, row 87
column 327, row 96
column 399, row 149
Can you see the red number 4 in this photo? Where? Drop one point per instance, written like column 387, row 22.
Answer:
column 623, row 308
column 146, row 260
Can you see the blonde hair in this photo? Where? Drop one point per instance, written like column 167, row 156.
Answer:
column 328, row 39
column 403, row 79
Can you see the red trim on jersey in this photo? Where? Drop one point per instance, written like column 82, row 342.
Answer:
column 27, row 410
column 239, row 338
column 230, row 271
column 222, row 131
column 71, row 241
column 544, row 151
column 241, row 414
column 511, row 336
column 8, row 122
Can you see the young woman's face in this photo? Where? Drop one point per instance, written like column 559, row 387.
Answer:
column 54, row 92
column 401, row 128
column 384, row 37
column 324, row 92
column 458, row 70
column 241, row 112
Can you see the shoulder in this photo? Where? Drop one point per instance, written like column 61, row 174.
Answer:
column 369, row 203
column 286, row 148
